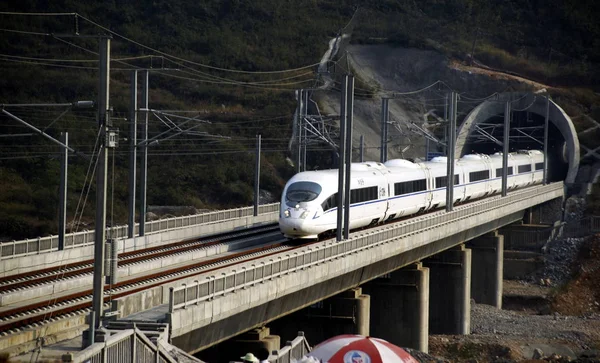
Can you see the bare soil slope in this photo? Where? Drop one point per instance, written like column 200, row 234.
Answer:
column 387, row 69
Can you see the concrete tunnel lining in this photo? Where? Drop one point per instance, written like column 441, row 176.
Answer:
column 533, row 103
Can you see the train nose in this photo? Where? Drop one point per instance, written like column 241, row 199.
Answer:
column 293, row 226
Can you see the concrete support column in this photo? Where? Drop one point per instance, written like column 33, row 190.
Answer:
column 487, row 266
column 253, row 342
column 400, row 307
column 345, row 313
column 353, row 304
column 450, row 291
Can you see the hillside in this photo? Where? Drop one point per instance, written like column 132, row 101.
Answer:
column 210, row 59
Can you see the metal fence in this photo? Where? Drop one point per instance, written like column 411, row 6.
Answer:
column 581, row 228
column 78, row 239
column 538, row 238
column 242, row 277
column 127, row 346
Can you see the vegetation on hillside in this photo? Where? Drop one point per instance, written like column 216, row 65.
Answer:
column 555, row 41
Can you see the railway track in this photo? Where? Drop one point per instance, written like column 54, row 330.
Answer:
column 55, row 274
column 15, row 319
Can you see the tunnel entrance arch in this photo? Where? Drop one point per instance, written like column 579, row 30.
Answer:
column 482, row 131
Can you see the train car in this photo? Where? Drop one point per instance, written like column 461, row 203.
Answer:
column 398, row 188
column 309, row 202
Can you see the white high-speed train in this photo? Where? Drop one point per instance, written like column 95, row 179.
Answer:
column 381, row 192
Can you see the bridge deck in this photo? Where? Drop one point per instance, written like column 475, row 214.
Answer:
column 227, row 302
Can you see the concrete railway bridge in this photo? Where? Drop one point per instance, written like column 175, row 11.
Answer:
column 399, row 281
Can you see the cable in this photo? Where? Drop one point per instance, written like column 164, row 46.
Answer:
column 23, row 32
column 191, row 62
column 35, row 14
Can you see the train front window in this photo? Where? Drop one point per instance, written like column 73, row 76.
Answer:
column 302, row 192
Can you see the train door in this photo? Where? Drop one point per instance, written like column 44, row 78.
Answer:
column 459, row 188
column 489, row 184
column 430, row 186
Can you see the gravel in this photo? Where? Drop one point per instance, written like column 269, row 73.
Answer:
column 559, row 258
column 487, row 320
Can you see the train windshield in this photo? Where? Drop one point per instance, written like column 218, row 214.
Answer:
column 302, row 192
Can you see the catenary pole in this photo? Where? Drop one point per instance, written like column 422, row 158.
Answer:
column 144, row 151
column 101, row 177
column 132, row 154
column 451, row 149
column 257, row 177
column 299, row 128
column 348, row 153
column 341, row 161
column 305, row 131
column 546, row 139
column 446, row 123
column 62, row 197
column 362, row 148
column 505, row 149
column 384, row 128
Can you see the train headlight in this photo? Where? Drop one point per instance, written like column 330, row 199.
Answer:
column 286, row 213
column 304, row 214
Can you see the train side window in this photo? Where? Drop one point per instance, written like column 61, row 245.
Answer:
column 363, row 195
column 442, row 181
column 330, row 203
column 499, row 171
column 524, row 168
column 479, row 175
column 410, row 186
column 539, row 166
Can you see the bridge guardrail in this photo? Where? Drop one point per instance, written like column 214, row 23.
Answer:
column 84, row 238
column 130, row 345
column 240, row 278
column 293, row 350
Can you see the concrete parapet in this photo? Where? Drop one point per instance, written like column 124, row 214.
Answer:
column 450, row 291
column 487, row 269
column 400, row 307
column 28, row 263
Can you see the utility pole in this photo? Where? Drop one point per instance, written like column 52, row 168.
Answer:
column 144, row 166
column 257, row 177
column 62, row 213
column 132, row 154
column 505, row 149
column 546, row 139
column 450, row 158
column 101, row 177
column 341, row 161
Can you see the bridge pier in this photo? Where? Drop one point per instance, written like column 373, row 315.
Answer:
column 450, row 291
column 400, row 307
column 253, row 342
column 487, row 266
column 354, row 306
column 345, row 313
